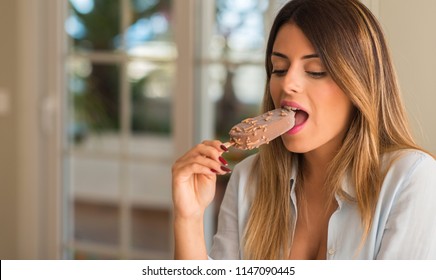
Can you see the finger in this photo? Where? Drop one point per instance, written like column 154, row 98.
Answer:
column 204, row 149
column 208, row 153
column 198, row 164
column 216, row 144
column 218, row 167
column 215, row 153
column 210, row 149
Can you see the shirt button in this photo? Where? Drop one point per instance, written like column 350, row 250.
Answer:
column 332, row 251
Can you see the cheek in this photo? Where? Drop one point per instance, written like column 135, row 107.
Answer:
column 274, row 90
column 339, row 110
column 334, row 107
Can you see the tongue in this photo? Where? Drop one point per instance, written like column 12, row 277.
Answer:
column 300, row 117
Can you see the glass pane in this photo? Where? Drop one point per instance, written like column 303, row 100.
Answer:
column 95, row 179
column 151, row 91
column 151, row 94
column 151, row 229
column 150, row 32
column 236, row 93
column 94, row 120
column 150, row 194
column 95, row 222
column 150, row 184
column 240, row 29
column 94, row 24
column 95, row 194
column 89, row 255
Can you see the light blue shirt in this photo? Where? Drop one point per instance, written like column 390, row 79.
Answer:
column 404, row 222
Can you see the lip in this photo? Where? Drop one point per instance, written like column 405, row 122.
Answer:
column 296, row 128
column 292, row 104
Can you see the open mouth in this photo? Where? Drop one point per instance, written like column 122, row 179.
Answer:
column 300, row 115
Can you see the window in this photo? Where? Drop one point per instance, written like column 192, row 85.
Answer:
column 118, row 131
column 123, row 75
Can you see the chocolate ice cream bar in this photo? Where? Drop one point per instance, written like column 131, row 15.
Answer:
column 253, row 132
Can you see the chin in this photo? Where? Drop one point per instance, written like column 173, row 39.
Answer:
column 293, row 147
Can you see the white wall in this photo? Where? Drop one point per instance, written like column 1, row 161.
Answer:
column 410, row 28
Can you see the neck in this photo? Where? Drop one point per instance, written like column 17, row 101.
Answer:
column 316, row 164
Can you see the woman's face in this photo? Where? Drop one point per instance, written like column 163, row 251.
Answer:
column 299, row 80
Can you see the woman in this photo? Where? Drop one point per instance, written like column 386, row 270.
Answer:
column 346, row 182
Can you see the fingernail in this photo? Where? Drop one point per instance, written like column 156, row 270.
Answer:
column 223, row 161
column 225, row 169
column 213, row 170
column 224, row 148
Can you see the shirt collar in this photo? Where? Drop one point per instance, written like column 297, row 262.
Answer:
column 347, row 185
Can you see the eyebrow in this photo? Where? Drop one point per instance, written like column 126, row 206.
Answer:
column 308, row 56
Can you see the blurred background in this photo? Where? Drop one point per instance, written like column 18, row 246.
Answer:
column 99, row 97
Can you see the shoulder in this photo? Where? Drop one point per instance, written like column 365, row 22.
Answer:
column 242, row 176
column 404, row 163
column 242, row 170
column 404, row 216
column 247, row 162
column 410, row 172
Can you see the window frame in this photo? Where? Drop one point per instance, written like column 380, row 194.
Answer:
column 181, row 135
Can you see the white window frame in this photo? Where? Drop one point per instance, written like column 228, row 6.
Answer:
column 182, row 123
column 40, row 82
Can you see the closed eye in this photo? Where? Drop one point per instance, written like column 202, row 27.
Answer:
column 316, row 75
column 278, row 72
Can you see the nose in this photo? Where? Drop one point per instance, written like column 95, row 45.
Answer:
column 292, row 82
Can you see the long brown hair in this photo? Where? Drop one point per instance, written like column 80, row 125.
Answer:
column 352, row 47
